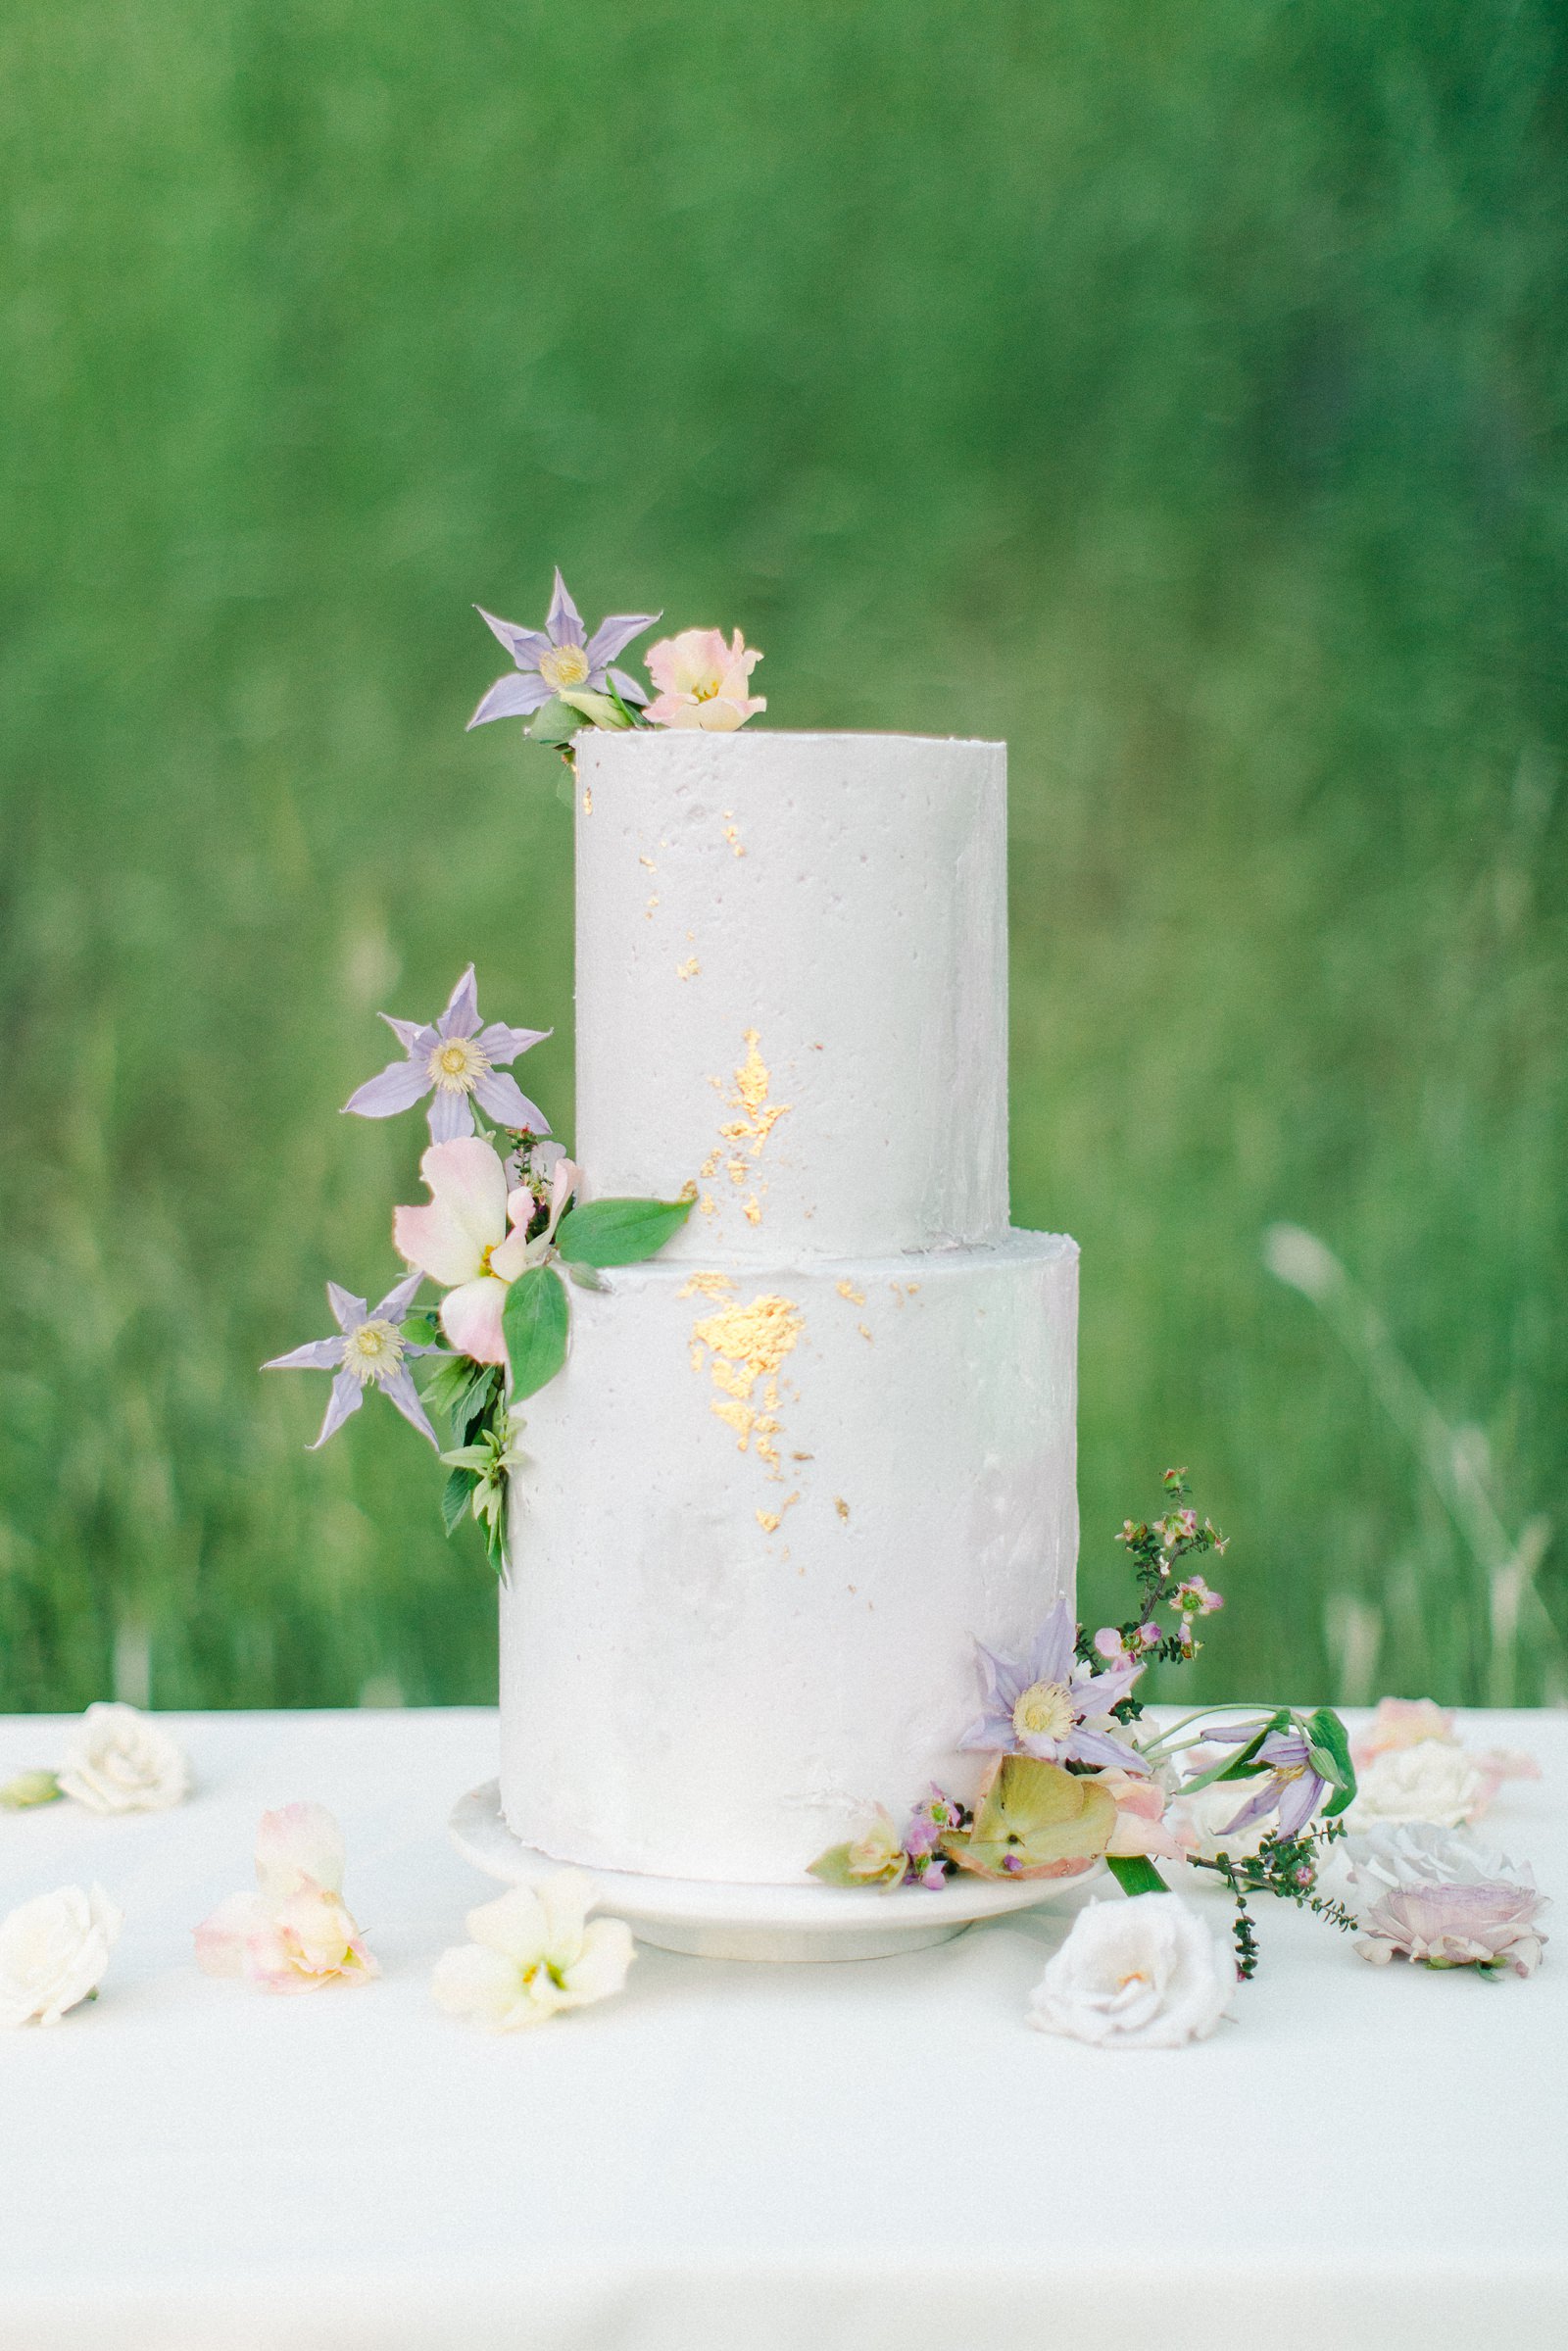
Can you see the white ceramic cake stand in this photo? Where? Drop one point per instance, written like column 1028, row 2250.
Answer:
column 803, row 1921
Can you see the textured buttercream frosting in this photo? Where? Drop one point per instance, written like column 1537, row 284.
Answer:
column 798, row 1463
column 792, row 986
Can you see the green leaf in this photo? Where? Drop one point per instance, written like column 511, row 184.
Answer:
column 533, row 1323
column 456, row 1495
column 833, row 1867
column 1136, row 1874
column 1330, row 1748
column 443, row 1388
column 554, row 724
column 618, row 1232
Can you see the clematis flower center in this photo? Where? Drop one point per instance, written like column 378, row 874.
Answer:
column 372, row 1351
column 1044, row 1711
column 455, row 1063
column 563, row 665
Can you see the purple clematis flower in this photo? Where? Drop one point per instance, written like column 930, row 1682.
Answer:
column 370, row 1350
column 560, row 659
column 457, row 1059
column 1292, row 1786
column 1048, row 1706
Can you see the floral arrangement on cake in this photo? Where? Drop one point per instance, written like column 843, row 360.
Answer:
column 504, row 1231
column 563, row 680
column 1077, row 1775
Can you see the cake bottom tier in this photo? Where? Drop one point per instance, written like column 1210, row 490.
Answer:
column 761, row 1519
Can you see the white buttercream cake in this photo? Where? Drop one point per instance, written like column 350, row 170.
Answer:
column 795, row 1463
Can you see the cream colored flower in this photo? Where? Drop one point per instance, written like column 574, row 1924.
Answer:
column 53, row 1953
column 118, row 1760
column 1430, row 1781
column 1144, row 1974
column 534, row 1953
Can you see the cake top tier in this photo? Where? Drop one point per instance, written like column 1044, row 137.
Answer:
column 792, row 987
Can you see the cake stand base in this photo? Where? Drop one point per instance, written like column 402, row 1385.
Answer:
column 789, row 1924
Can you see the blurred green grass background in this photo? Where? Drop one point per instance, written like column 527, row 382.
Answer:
column 1175, row 387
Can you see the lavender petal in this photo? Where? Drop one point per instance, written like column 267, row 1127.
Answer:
column 1050, row 1658
column 562, row 621
column 1098, row 1747
column 1229, row 1734
column 612, row 636
column 992, row 1735
column 395, row 1303
column 1261, row 1806
column 317, row 1354
column 461, row 1015
column 1002, row 1683
column 498, row 1044
column 450, row 1116
column 525, row 645
column 627, row 688
column 347, row 1396
column 397, row 1088
column 348, row 1311
column 1299, row 1804
column 507, row 1104
column 409, row 1033
column 400, row 1391
column 511, row 698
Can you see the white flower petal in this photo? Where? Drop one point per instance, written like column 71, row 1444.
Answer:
column 515, row 1925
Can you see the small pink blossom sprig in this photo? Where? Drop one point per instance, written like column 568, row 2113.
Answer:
column 1158, row 1551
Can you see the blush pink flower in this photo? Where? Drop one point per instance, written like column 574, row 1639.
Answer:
column 473, row 1238
column 1489, row 1926
column 295, row 1933
column 1401, row 1723
column 1140, row 1817
column 703, row 682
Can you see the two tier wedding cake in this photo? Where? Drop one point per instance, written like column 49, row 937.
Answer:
column 797, row 1463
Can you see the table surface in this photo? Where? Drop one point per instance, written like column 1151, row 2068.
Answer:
column 872, row 2157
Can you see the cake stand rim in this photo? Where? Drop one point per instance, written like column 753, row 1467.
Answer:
column 479, row 1831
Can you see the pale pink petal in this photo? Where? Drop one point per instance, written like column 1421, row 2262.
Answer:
column 511, row 1256
column 311, row 1940
column 466, row 1214
column 471, row 1316
column 220, row 1940
column 671, row 710
column 298, row 1847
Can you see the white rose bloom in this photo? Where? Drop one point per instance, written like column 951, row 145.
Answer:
column 534, row 1953
column 118, row 1760
column 53, row 1952
column 1432, row 1781
column 1145, row 1973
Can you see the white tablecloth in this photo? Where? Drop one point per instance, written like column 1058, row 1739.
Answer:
column 873, row 2157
